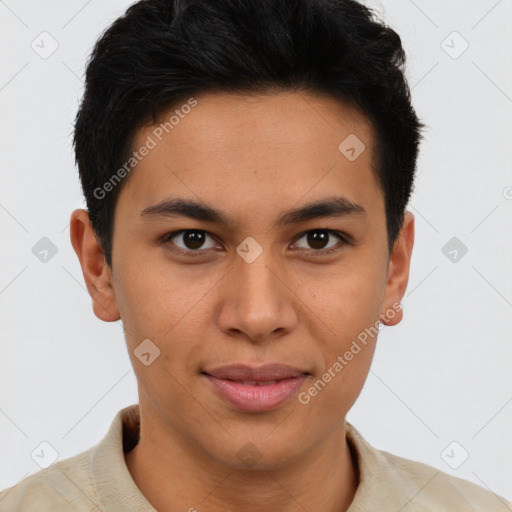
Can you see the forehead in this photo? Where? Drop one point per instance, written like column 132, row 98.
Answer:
column 255, row 152
column 222, row 120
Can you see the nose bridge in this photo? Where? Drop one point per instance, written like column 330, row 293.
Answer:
column 259, row 277
column 256, row 301
column 256, row 261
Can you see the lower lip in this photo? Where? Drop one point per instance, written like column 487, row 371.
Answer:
column 247, row 397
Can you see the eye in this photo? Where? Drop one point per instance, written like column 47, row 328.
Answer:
column 319, row 240
column 190, row 240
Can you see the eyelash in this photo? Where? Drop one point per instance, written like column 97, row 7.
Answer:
column 193, row 253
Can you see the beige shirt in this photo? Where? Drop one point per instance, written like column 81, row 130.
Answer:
column 98, row 480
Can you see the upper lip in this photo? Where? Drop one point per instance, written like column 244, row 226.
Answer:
column 259, row 374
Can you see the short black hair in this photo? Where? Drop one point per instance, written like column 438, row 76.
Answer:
column 162, row 52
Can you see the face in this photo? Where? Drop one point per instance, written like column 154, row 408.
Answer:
column 238, row 281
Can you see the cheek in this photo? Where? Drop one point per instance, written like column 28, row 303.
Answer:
column 341, row 387
column 346, row 358
column 347, row 301
column 140, row 301
column 152, row 300
column 171, row 309
column 159, row 308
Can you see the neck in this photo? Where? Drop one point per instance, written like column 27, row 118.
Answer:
column 174, row 476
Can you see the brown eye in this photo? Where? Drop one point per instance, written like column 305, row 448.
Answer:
column 318, row 239
column 190, row 240
column 193, row 239
column 322, row 240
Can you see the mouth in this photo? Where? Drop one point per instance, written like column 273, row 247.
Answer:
column 256, row 389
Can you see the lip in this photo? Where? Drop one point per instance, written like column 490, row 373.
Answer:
column 228, row 382
column 259, row 373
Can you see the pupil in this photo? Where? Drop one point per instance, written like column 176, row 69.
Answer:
column 194, row 239
column 318, row 239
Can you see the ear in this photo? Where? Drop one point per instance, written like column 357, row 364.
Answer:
column 398, row 272
column 97, row 274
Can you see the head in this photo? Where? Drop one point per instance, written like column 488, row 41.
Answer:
column 289, row 125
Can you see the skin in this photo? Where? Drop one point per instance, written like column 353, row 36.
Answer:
column 253, row 158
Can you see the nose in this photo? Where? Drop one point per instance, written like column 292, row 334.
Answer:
column 258, row 300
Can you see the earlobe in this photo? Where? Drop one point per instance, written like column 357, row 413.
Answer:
column 398, row 272
column 97, row 274
column 393, row 315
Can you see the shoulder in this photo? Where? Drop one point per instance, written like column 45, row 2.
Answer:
column 388, row 482
column 430, row 489
column 64, row 486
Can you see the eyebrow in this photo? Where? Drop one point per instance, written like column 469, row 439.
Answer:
column 329, row 207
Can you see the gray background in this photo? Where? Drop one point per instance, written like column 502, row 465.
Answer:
column 442, row 375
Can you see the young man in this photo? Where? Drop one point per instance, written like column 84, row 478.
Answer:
column 247, row 166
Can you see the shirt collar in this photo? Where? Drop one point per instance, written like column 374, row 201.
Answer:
column 116, row 488
column 377, row 482
column 112, row 480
